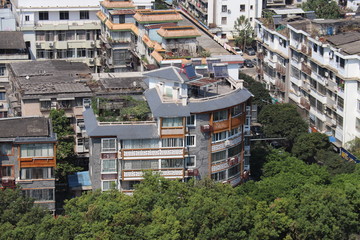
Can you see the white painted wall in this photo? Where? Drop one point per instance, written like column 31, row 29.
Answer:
column 54, row 3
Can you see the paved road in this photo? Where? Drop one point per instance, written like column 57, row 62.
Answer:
column 206, row 41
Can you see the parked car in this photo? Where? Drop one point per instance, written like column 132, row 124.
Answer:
column 248, row 63
column 238, row 50
column 241, row 65
column 250, row 51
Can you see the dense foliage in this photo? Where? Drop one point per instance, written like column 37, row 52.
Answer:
column 293, row 200
column 65, row 154
column 323, row 8
column 282, row 120
column 243, row 32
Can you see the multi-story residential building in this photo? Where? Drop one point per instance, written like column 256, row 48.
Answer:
column 220, row 16
column 36, row 87
column 195, row 127
column 28, row 158
column 12, row 49
column 60, row 30
column 322, row 75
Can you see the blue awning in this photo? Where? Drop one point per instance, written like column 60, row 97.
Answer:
column 80, row 180
column 332, row 139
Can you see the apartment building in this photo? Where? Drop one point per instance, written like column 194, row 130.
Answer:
column 220, row 16
column 322, row 72
column 36, row 87
column 28, row 158
column 60, row 30
column 194, row 127
column 12, row 49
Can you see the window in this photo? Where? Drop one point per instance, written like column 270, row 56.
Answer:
column 70, row 53
column 242, row 8
column 40, row 53
column 342, row 62
column 357, row 123
column 84, row 14
column 6, row 171
column 190, row 161
column 40, row 36
column 233, row 171
column 235, row 131
column 223, row 35
column 340, row 103
column 2, row 96
column 27, row 18
column 40, row 194
column 141, row 164
column 140, row 143
column 121, row 18
column 218, row 156
column 61, row 35
column 172, row 142
column 220, row 115
column 191, row 121
column 81, row 52
column 339, row 121
column 70, row 35
column 108, row 145
column 190, row 141
column 49, row 36
column 43, row 15
column 321, row 50
column 141, row 7
column 251, row 7
column 234, row 150
column 172, row 122
column 36, row 173
column 108, row 165
column 80, row 35
column 224, row 8
column 237, row 110
column 64, row 15
column 37, row 150
column 219, row 176
column 358, row 86
column 219, row 136
column 224, row 20
column 315, row 47
column 45, row 105
column 107, row 185
column 172, row 163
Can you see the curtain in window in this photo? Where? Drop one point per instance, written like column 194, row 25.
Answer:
column 172, row 122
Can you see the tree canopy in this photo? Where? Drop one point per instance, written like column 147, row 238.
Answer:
column 282, row 120
column 243, row 32
column 323, row 8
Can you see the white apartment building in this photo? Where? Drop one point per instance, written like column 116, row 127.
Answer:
column 60, row 29
column 220, row 15
column 321, row 71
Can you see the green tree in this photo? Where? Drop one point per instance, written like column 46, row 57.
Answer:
column 243, row 32
column 160, row 4
column 354, row 146
column 282, row 120
column 323, row 8
column 308, row 144
column 261, row 94
column 65, row 154
column 334, row 163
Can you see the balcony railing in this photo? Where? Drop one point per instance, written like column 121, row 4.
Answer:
column 306, row 69
column 305, row 103
column 148, row 152
column 175, row 173
column 280, row 69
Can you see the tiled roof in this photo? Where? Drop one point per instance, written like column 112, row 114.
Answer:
column 148, row 41
column 24, row 127
column 157, row 26
column 117, row 4
column 157, row 16
column 12, row 40
column 122, row 27
column 179, row 32
column 122, row 12
column 101, row 16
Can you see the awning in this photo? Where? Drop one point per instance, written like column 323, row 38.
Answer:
column 332, row 139
column 80, row 181
column 66, row 98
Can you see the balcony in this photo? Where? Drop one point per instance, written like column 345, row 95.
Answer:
column 306, row 69
column 281, row 69
column 152, row 152
column 226, row 164
column 304, row 49
column 280, row 85
column 173, row 131
column 260, row 55
column 37, row 162
column 305, row 103
column 225, row 144
column 175, row 173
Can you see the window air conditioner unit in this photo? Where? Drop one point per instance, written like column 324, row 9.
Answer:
column 227, row 143
column 229, row 11
column 91, row 61
column 51, row 44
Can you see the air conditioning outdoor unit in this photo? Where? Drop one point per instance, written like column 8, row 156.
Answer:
column 51, row 44
column 227, row 143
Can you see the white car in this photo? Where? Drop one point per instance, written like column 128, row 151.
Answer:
column 238, row 51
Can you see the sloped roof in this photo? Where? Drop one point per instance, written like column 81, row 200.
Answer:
column 154, row 16
column 179, row 32
column 117, row 4
column 24, row 127
column 12, row 40
column 169, row 73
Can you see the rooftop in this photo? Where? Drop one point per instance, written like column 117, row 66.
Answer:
column 156, row 16
column 12, row 40
column 179, row 32
column 24, row 127
column 117, row 4
column 50, row 77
